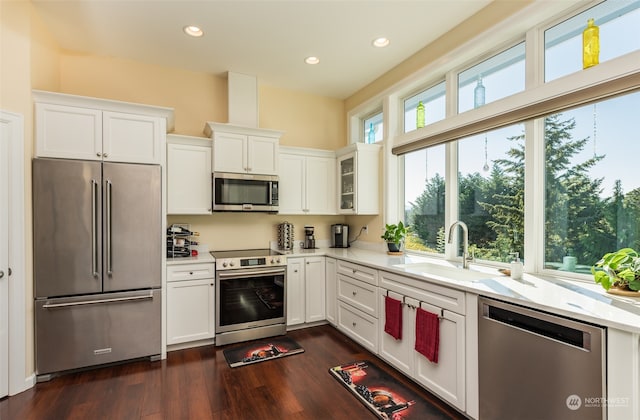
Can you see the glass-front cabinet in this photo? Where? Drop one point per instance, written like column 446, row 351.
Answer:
column 347, row 182
column 358, row 187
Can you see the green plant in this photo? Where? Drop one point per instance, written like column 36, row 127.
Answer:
column 620, row 269
column 395, row 233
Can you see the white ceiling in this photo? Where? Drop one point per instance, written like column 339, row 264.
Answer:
column 265, row 38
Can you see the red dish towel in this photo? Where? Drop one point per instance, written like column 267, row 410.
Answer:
column 393, row 317
column 427, row 334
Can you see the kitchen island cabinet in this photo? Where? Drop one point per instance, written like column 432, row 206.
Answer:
column 76, row 127
column 188, row 175
column 190, row 302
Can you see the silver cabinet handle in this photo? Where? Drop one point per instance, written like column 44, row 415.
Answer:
column 108, row 226
column 105, row 155
column 94, row 228
column 1, row 274
column 98, row 154
column 354, row 293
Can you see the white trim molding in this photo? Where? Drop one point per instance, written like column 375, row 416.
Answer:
column 19, row 379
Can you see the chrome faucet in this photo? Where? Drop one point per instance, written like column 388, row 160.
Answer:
column 466, row 258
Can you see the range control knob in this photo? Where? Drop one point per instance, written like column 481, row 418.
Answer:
column 278, row 260
column 224, row 263
column 273, row 260
column 231, row 264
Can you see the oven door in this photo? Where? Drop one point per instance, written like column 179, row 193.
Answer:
column 250, row 298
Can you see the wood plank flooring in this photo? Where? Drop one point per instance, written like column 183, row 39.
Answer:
column 198, row 384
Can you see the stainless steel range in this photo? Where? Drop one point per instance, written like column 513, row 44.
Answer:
column 251, row 295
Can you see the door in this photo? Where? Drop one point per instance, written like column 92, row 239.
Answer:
column 66, row 227
column 314, row 275
column 295, row 291
column 262, row 155
column 4, row 263
column 132, row 227
column 229, row 153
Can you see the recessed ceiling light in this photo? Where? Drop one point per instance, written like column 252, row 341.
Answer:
column 380, row 42
column 312, row 60
column 193, row 31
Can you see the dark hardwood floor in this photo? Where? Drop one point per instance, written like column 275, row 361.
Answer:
column 198, row 384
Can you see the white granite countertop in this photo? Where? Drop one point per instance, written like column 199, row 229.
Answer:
column 575, row 299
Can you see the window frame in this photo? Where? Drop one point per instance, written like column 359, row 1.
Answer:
column 608, row 79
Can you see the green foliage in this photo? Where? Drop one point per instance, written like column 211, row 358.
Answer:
column 620, row 269
column 395, row 233
column 578, row 221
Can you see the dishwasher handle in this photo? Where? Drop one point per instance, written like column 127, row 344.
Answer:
column 536, row 325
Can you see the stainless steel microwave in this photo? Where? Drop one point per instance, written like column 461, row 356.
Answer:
column 245, row 192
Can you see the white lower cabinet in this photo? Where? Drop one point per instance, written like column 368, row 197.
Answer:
column 357, row 303
column 305, row 290
column 190, row 302
column 447, row 378
column 331, row 284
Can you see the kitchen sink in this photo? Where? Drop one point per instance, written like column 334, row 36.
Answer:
column 451, row 272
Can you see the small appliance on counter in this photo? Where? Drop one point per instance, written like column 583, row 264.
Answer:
column 309, row 238
column 340, row 236
column 285, row 236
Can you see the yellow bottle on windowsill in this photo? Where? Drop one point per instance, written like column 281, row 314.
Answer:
column 590, row 45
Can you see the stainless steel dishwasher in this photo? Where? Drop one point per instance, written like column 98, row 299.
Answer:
column 538, row 366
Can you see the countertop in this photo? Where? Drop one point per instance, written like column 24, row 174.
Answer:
column 571, row 298
column 202, row 257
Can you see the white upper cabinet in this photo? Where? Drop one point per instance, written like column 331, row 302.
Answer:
column 188, row 175
column 358, row 186
column 76, row 127
column 306, row 181
column 244, row 150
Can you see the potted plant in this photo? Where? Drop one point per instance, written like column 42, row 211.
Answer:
column 619, row 272
column 394, row 234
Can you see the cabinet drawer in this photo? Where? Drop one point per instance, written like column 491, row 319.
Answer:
column 359, row 326
column 190, row 272
column 358, row 294
column 424, row 291
column 359, row 272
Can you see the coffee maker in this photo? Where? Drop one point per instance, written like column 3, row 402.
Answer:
column 340, row 236
column 309, row 238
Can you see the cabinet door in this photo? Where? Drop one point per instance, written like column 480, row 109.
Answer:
column 295, row 291
column 347, row 184
column 314, row 275
column 262, row 155
column 190, row 310
column 291, row 184
column 320, row 185
column 229, row 153
column 188, row 179
column 68, row 132
column 331, row 285
column 132, row 138
column 446, row 378
column 399, row 353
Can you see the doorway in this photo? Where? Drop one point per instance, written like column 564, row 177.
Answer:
column 4, row 261
column 14, row 377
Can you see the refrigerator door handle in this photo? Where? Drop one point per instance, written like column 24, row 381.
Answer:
column 94, row 228
column 108, row 185
column 96, row 301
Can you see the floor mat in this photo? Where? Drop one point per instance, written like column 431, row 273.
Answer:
column 261, row 350
column 382, row 394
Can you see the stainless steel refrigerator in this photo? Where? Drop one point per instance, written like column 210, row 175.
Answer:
column 97, row 236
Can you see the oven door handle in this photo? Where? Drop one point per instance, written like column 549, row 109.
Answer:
column 238, row 274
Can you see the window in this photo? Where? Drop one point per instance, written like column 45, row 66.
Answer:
column 495, row 78
column 592, row 187
column 491, row 192
column 424, row 199
column 618, row 22
column 433, row 100
column 373, row 128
